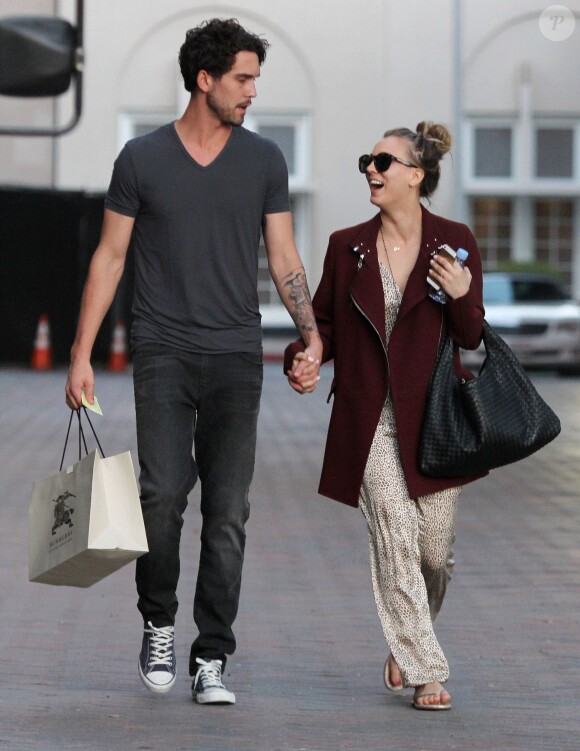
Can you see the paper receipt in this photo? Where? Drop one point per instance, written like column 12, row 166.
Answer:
column 94, row 407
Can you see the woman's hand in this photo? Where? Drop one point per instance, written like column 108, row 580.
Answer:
column 454, row 279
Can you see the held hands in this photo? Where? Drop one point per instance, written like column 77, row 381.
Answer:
column 454, row 279
column 304, row 374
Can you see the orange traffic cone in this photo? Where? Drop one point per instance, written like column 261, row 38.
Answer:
column 42, row 352
column 118, row 354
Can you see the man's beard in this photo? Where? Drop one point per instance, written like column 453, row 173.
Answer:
column 226, row 115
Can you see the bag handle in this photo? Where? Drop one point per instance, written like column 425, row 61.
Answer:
column 81, row 435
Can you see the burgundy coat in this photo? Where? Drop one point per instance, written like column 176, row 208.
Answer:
column 350, row 312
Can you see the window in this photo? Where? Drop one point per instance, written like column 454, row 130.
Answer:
column 285, row 137
column 537, row 291
column 291, row 132
column 522, row 176
column 554, row 152
column 522, row 154
column 554, row 233
column 505, row 290
column 267, row 292
column 497, row 290
column 492, row 226
column 133, row 125
column 493, row 152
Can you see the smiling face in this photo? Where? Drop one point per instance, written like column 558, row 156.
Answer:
column 230, row 96
column 399, row 182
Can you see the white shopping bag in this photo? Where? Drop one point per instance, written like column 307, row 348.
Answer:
column 85, row 522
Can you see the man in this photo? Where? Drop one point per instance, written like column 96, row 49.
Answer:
column 194, row 194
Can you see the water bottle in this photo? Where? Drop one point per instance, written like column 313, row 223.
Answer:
column 438, row 294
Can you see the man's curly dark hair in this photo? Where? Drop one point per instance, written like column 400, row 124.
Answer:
column 213, row 46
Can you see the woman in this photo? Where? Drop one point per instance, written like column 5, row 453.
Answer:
column 383, row 331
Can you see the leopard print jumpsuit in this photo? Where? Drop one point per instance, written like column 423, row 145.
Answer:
column 410, row 544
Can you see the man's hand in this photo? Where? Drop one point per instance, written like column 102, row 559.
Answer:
column 80, row 377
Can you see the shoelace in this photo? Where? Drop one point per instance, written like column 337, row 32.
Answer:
column 160, row 645
column 209, row 673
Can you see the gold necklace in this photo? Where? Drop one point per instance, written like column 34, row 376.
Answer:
column 385, row 247
column 389, row 263
column 395, row 248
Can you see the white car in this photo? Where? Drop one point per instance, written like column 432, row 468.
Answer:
column 535, row 317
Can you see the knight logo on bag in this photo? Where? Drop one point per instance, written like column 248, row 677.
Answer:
column 63, row 515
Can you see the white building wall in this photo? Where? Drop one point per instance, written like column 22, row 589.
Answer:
column 26, row 161
column 322, row 62
column 500, row 38
column 357, row 67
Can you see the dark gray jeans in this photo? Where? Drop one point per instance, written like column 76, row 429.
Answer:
column 208, row 404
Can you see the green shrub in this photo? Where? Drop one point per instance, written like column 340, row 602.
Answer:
column 532, row 267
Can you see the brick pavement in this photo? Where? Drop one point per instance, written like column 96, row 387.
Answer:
column 307, row 673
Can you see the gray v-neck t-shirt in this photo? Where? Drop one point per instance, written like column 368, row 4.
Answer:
column 196, row 237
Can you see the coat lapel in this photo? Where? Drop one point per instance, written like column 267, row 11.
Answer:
column 366, row 288
column 417, row 287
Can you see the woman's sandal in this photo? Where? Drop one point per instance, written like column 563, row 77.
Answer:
column 431, row 707
column 387, row 677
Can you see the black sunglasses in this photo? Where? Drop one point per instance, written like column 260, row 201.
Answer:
column 382, row 161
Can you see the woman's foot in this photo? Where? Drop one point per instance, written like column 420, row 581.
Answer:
column 431, row 696
column 392, row 675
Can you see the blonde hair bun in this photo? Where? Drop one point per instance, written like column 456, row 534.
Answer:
column 427, row 146
column 436, row 135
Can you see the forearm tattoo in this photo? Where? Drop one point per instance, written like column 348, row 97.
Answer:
column 300, row 303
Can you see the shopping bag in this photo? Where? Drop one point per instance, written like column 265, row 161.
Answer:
column 85, row 522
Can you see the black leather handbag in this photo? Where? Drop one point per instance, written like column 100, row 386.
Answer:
column 495, row 419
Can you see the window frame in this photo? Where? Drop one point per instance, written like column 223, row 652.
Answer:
column 522, row 180
column 275, row 315
column 557, row 124
column 128, row 122
column 475, row 184
column 473, row 151
column 299, row 181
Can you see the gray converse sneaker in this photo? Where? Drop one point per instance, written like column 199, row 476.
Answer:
column 207, row 686
column 157, row 658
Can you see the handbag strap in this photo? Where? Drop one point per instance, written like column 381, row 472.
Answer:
column 442, row 330
column 81, row 435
